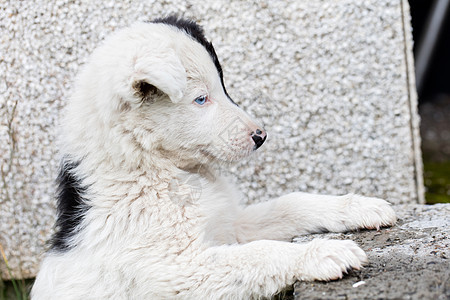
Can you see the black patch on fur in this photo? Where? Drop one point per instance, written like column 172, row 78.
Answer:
column 71, row 207
column 197, row 33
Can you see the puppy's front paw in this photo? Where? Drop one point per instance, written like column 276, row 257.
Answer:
column 370, row 213
column 330, row 259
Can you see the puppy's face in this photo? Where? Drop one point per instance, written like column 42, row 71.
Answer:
column 170, row 96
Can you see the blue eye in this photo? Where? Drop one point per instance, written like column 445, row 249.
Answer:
column 201, row 100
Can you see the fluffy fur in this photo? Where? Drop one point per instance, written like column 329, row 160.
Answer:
column 142, row 215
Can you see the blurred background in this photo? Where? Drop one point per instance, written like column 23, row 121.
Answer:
column 431, row 33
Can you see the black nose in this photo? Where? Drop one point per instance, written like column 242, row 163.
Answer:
column 258, row 137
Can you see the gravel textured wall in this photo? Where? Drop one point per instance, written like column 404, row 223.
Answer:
column 331, row 80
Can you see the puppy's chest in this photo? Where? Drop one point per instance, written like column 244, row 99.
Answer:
column 218, row 204
column 176, row 212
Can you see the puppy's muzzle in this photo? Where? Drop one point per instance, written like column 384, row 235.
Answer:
column 258, row 136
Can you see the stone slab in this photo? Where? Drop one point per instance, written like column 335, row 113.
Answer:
column 408, row 261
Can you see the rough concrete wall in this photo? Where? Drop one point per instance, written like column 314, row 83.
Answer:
column 331, row 81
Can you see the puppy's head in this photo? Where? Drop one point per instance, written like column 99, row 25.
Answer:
column 160, row 86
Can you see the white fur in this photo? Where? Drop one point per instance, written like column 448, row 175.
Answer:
column 146, row 236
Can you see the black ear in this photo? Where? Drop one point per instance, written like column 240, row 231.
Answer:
column 146, row 91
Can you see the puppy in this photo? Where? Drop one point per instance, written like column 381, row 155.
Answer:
column 141, row 213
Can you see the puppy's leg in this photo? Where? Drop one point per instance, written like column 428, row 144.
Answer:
column 262, row 268
column 300, row 213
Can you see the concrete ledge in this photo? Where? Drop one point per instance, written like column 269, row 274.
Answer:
column 408, row 261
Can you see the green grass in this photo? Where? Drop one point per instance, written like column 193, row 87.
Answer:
column 437, row 181
column 17, row 291
column 13, row 289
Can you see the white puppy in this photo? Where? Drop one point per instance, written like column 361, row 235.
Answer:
column 142, row 214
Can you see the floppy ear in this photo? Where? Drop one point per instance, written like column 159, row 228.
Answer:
column 161, row 71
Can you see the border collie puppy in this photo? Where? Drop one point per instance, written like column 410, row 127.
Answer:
column 141, row 212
